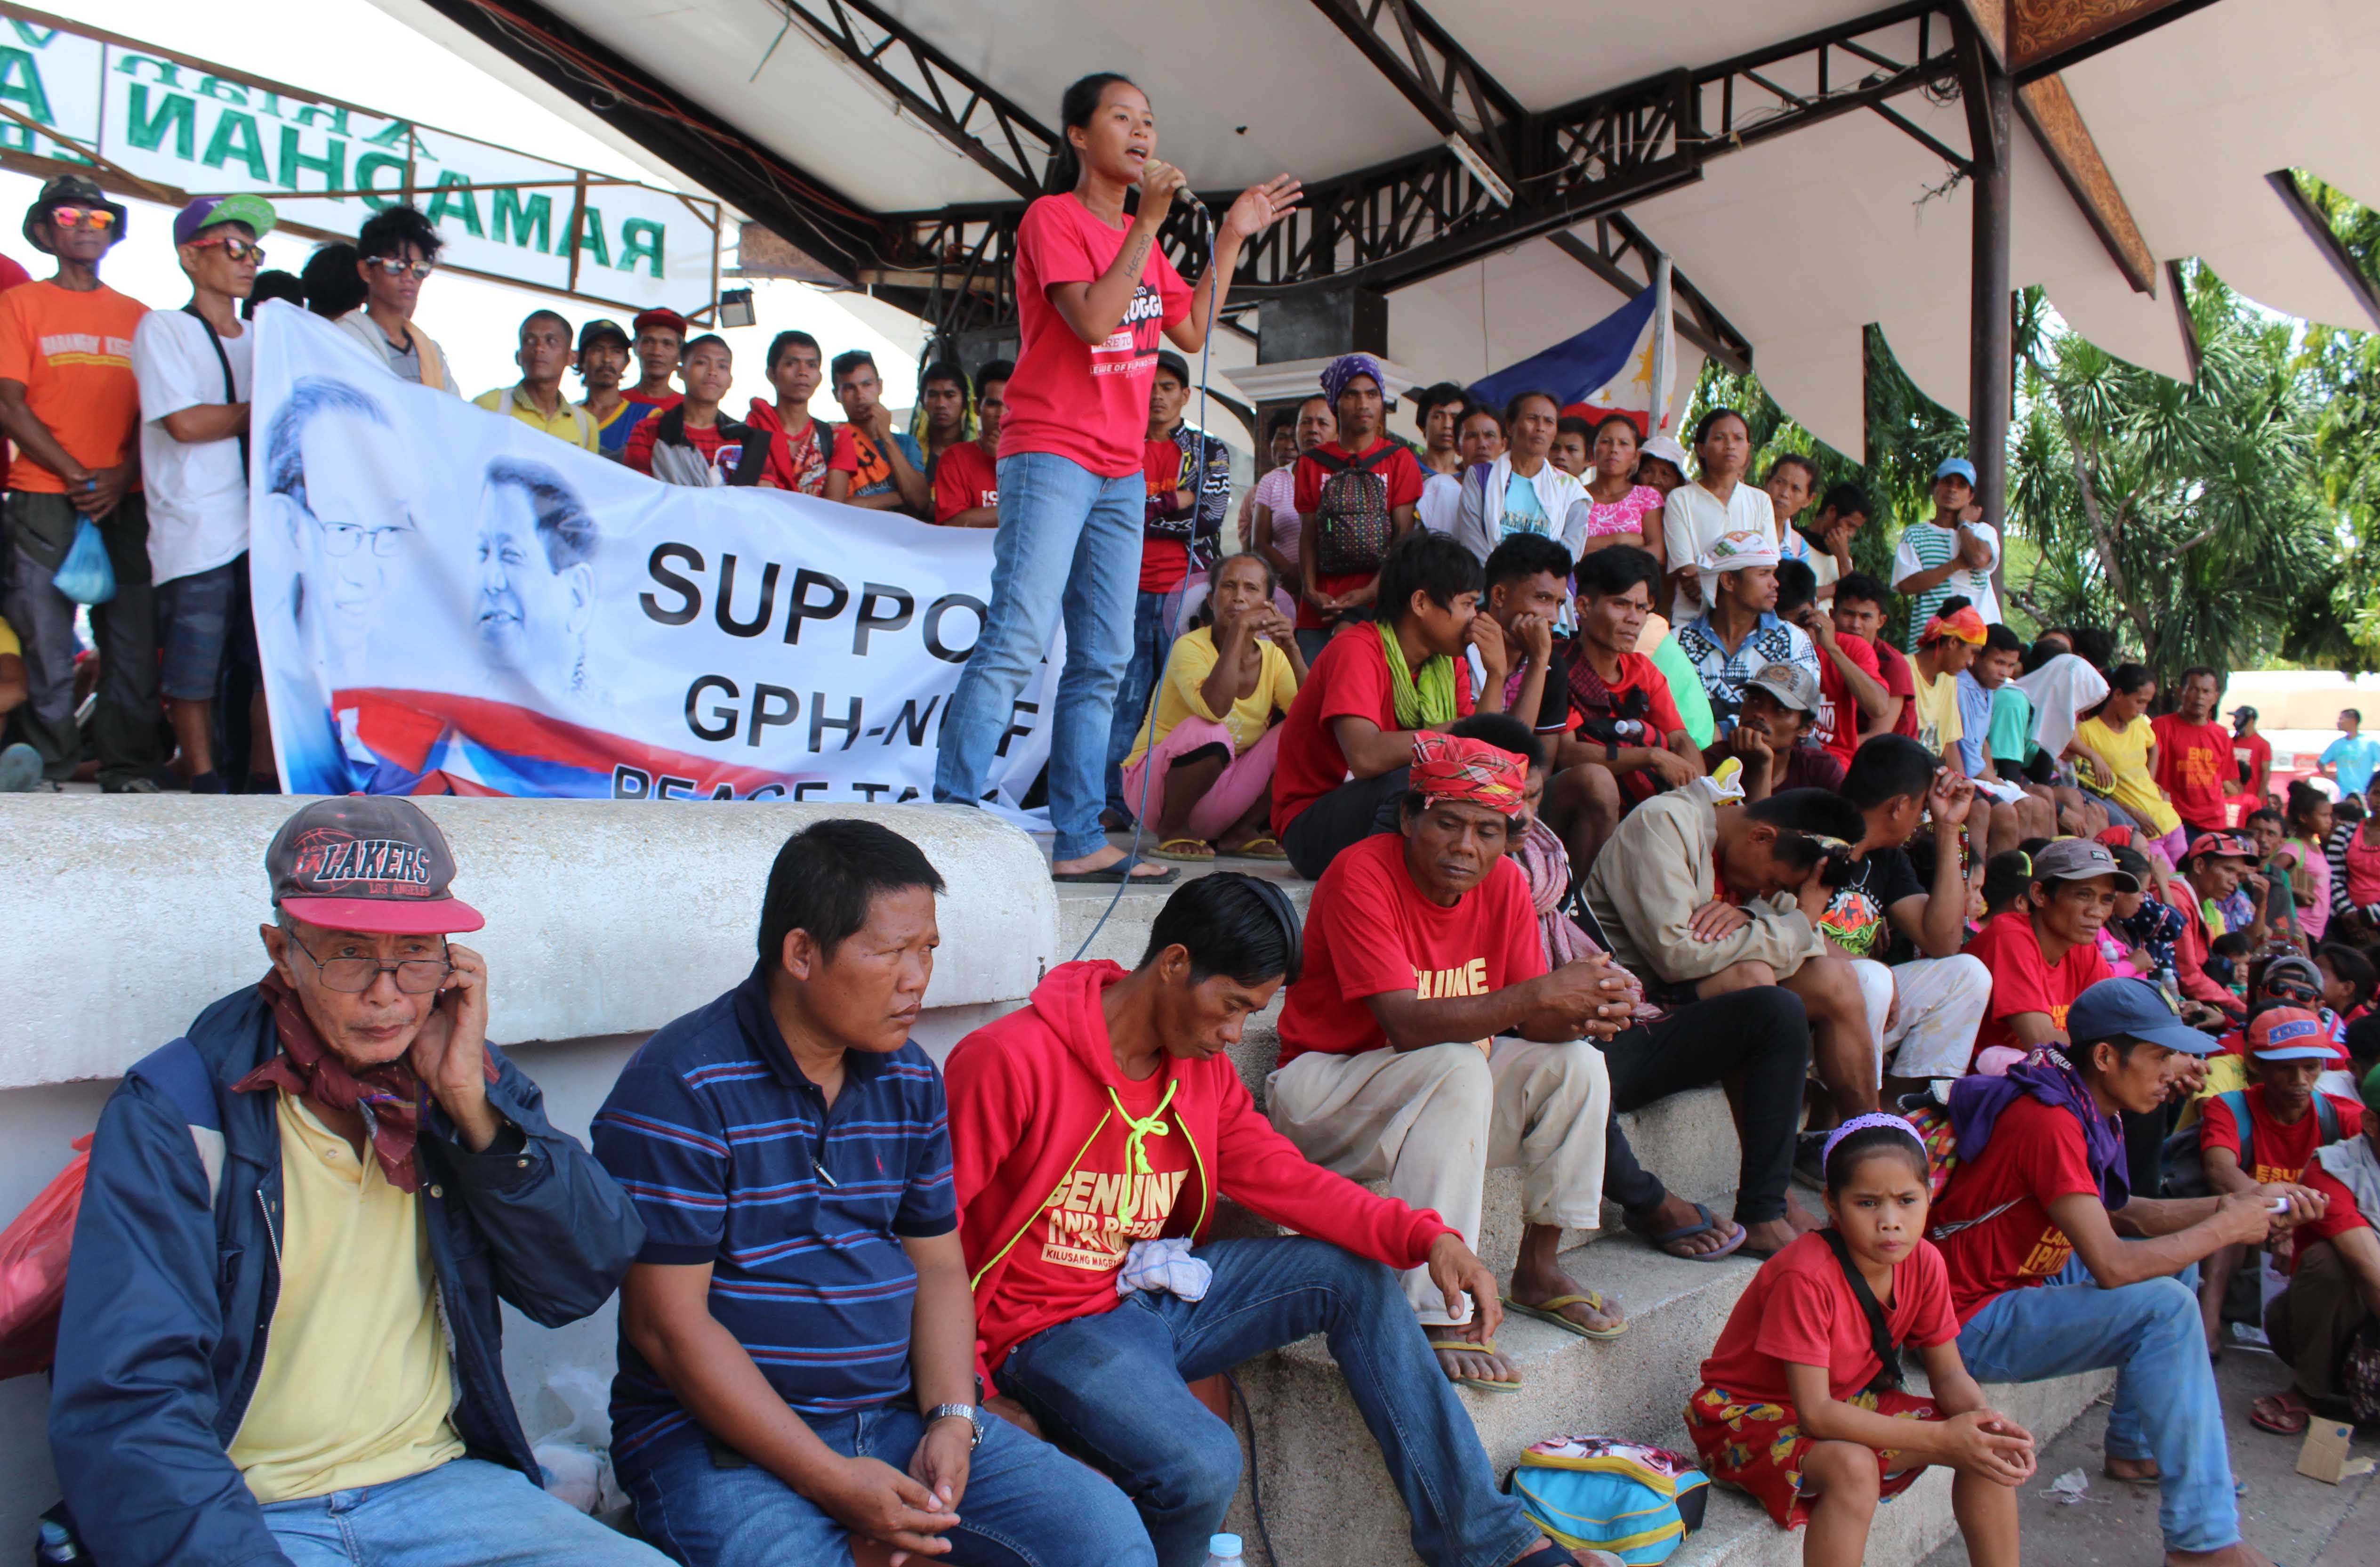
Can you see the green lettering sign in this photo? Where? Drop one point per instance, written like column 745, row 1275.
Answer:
column 235, row 141
column 454, row 195
column 372, row 163
column 229, row 91
column 640, row 239
column 331, row 165
column 587, row 238
column 534, row 215
column 20, row 83
column 337, row 121
column 174, row 112
column 168, row 73
column 39, row 37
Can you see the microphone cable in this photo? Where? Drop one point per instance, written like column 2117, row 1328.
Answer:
column 1148, row 765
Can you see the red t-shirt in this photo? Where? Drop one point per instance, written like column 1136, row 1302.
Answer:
column 1638, row 672
column 797, row 463
column 2341, row 1216
column 1350, row 680
column 2282, row 1153
column 1369, row 932
column 2022, row 982
column 2253, row 757
column 1405, row 479
column 1088, row 405
column 1065, row 1265
column 662, row 403
column 963, row 480
column 1163, row 562
column 1800, row 1310
column 2036, row 1156
column 2193, row 767
column 724, row 455
column 1838, row 725
column 1892, row 668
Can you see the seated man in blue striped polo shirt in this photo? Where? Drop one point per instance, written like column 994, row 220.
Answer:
column 797, row 1358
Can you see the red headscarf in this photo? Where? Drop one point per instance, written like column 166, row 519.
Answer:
column 1446, row 767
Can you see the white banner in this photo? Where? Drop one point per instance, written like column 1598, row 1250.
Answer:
column 450, row 601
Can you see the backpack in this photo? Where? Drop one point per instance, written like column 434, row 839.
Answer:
column 1601, row 1493
column 1932, row 1119
column 2183, row 1168
column 1352, row 513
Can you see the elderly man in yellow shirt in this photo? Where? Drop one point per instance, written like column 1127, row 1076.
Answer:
column 281, row 1340
column 536, row 400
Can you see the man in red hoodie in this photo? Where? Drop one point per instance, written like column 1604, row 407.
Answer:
column 1091, row 1135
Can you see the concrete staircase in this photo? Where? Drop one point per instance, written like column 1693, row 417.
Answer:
column 1327, row 1500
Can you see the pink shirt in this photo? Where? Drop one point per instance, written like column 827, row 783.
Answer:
column 1625, row 514
column 1086, row 403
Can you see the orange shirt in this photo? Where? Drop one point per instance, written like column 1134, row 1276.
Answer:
column 74, row 354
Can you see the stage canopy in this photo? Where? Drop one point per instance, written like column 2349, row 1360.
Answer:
column 1502, row 174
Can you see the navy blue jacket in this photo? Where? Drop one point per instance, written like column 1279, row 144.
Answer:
column 169, row 1297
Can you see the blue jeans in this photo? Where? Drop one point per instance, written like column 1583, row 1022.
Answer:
column 1153, row 615
column 2165, row 1406
column 1068, row 549
column 1025, row 1504
column 1116, row 1386
column 462, row 1513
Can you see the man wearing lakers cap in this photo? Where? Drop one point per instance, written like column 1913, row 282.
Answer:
column 280, row 1340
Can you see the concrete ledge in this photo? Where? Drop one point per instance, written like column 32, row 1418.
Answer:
column 132, row 913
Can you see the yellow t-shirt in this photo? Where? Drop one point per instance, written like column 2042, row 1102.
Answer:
column 356, row 1387
column 570, row 422
column 1186, row 669
column 2128, row 753
column 8, row 643
column 1937, row 711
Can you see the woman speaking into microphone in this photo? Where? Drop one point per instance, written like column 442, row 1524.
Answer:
column 1093, row 293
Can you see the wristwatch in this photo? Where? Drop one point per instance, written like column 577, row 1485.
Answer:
column 969, row 1412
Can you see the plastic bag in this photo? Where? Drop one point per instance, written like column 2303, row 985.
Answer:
column 87, row 576
column 572, row 1452
column 33, row 1268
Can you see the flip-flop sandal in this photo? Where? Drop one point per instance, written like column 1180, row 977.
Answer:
column 1686, row 1233
column 1484, row 1346
column 2146, row 1482
column 1551, row 1311
column 1261, row 848
column 1195, row 851
column 1120, row 870
column 2280, row 1427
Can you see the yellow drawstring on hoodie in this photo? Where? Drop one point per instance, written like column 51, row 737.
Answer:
column 1135, row 1156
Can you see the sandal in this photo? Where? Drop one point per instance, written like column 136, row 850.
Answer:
column 1482, row 1346
column 1551, row 1311
column 1668, row 1238
column 1195, row 851
column 2281, row 1425
column 1260, row 848
column 1120, row 871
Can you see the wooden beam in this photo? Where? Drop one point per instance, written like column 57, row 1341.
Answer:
column 2049, row 35
column 1991, row 23
column 2049, row 112
column 2183, row 321
column 2316, row 224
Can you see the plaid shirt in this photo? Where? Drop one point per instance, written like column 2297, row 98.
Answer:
column 1724, row 674
column 1201, row 530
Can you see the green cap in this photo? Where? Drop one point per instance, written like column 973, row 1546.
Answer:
column 209, row 211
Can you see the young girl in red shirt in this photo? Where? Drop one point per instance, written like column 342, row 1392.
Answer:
column 1802, row 1404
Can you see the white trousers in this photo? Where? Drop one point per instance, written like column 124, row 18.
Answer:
column 1942, row 1002
column 1431, row 1123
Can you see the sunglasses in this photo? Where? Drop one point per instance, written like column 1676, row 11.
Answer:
column 99, row 219
column 396, row 266
column 235, row 248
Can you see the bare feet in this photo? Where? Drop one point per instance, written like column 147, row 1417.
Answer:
column 1767, row 1238
column 1101, row 858
column 2135, row 1471
column 1677, row 1213
column 1462, row 1356
column 1802, row 1220
column 1536, row 1285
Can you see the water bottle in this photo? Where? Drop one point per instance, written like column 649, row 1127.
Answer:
column 1222, row 1551
column 57, row 1545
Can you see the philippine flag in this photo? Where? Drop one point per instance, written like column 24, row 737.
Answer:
column 1610, row 368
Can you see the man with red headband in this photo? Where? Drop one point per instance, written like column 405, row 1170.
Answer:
column 280, row 1339
column 1425, row 1031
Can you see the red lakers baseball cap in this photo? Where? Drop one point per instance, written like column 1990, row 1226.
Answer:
column 373, row 863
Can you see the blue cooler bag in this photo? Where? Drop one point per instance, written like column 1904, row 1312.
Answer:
column 1601, row 1493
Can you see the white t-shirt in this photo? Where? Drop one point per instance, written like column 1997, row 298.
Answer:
column 1691, row 520
column 1925, row 545
column 196, row 494
column 1441, row 502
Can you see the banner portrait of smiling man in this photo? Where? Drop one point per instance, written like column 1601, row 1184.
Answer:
column 448, row 601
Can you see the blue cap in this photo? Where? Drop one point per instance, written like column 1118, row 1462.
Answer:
column 1224, row 1547
column 1959, row 467
column 2133, row 1007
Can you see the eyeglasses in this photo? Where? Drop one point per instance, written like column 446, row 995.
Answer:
column 354, row 976
column 235, row 248
column 398, row 266
column 99, row 219
column 346, row 537
column 2298, row 994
